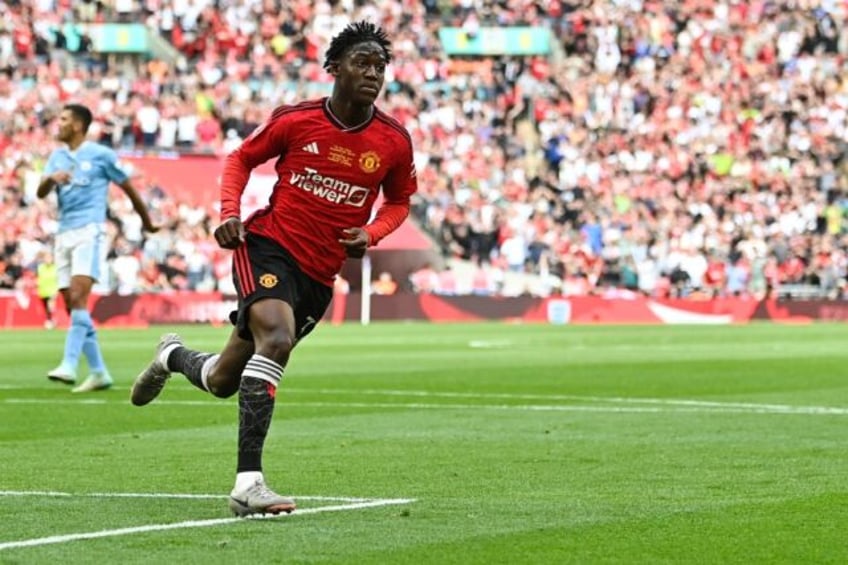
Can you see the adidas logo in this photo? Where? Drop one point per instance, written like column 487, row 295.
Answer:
column 312, row 148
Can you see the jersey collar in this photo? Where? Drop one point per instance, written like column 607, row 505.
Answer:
column 340, row 125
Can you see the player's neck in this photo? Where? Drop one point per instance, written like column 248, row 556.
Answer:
column 350, row 115
column 74, row 144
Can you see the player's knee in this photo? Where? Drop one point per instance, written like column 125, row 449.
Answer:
column 222, row 387
column 277, row 346
column 77, row 301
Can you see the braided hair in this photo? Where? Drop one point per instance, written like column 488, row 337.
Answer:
column 354, row 34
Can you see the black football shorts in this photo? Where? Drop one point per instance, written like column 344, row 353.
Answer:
column 264, row 269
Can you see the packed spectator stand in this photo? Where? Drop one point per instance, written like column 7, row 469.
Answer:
column 672, row 148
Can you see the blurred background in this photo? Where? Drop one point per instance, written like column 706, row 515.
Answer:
column 629, row 160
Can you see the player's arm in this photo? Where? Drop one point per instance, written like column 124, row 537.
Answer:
column 139, row 206
column 51, row 179
column 266, row 142
column 113, row 170
column 398, row 187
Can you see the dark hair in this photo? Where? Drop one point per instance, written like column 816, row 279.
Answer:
column 354, row 34
column 80, row 113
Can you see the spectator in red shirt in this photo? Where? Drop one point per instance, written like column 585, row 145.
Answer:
column 715, row 277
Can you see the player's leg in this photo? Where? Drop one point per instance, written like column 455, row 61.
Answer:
column 277, row 326
column 47, row 302
column 87, row 261
column 92, row 263
column 217, row 373
column 63, row 248
column 82, row 337
column 272, row 324
column 271, row 289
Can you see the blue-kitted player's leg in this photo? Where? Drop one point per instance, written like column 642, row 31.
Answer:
column 66, row 372
column 89, row 263
column 82, row 254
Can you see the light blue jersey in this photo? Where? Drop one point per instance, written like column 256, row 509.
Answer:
column 84, row 200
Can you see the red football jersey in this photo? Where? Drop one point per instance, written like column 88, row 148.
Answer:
column 328, row 177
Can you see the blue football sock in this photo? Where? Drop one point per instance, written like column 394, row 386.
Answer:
column 91, row 350
column 80, row 326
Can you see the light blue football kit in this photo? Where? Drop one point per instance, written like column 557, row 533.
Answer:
column 80, row 243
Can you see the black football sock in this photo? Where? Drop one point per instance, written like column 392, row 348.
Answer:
column 256, row 408
column 189, row 363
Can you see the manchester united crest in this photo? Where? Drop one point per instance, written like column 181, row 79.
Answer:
column 369, row 161
column 268, row 280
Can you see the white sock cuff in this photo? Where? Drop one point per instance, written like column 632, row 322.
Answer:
column 206, row 369
column 247, row 479
column 260, row 367
column 165, row 353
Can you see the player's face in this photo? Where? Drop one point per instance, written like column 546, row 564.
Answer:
column 67, row 126
column 360, row 73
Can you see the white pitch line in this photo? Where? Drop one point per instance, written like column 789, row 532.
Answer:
column 721, row 406
column 755, row 407
column 193, row 524
column 699, row 409
column 680, row 407
column 548, row 397
column 159, row 495
column 488, row 344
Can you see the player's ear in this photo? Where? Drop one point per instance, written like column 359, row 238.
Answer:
column 333, row 68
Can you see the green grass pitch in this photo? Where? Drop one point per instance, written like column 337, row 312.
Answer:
column 456, row 443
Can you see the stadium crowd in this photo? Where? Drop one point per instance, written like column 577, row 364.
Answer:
column 686, row 148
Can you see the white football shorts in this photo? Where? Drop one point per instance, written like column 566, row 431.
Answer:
column 81, row 251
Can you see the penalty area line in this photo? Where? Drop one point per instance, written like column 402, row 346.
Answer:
column 195, row 524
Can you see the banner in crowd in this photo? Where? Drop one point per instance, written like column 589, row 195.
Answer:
column 119, row 38
column 513, row 40
column 19, row 310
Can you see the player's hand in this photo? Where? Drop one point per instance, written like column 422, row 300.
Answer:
column 150, row 228
column 230, row 234
column 355, row 242
column 61, row 177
